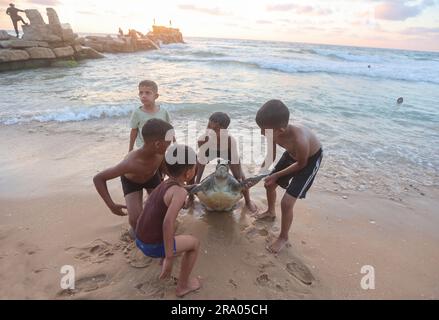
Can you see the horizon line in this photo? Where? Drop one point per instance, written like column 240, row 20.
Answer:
column 280, row 41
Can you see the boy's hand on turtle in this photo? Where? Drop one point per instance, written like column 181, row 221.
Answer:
column 166, row 269
column 117, row 210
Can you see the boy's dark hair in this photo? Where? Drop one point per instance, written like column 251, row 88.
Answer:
column 149, row 84
column 179, row 158
column 155, row 129
column 221, row 118
column 273, row 114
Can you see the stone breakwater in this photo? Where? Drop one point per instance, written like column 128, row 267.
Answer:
column 55, row 43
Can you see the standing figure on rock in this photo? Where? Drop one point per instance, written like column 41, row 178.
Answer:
column 13, row 13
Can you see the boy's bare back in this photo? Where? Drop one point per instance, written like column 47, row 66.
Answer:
column 299, row 139
column 139, row 168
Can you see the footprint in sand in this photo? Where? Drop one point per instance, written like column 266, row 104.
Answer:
column 86, row 284
column 265, row 281
column 135, row 258
column 253, row 232
column 97, row 252
column 155, row 288
column 300, row 272
column 266, row 265
column 233, row 283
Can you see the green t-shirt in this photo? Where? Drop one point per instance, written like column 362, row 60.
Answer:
column 139, row 118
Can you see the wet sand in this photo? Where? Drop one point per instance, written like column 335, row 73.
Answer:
column 51, row 216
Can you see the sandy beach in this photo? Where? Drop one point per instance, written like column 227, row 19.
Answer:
column 51, row 216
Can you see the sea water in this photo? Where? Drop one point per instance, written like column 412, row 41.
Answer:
column 346, row 95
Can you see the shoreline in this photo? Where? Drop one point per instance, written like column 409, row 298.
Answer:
column 51, row 216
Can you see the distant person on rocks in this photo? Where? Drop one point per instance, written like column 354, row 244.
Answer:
column 13, row 13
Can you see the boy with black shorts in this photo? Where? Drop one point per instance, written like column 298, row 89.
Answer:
column 296, row 169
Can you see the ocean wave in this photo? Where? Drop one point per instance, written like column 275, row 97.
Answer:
column 380, row 71
column 71, row 114
column 349, row 56
column 75, row 114
column 194, row 53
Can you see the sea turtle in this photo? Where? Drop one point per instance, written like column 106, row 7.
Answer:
column 220, row 191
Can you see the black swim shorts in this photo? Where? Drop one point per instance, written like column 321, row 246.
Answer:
column 302, row 180
column 129, row 186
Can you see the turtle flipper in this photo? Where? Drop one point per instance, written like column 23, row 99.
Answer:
column 195, row 189
column 250, row 182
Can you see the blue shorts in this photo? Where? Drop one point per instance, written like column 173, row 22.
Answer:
column 153, row 250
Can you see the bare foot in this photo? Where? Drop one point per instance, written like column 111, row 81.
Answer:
column 193, row 285
column 277, row 246
column 266, row 216
column 189, row 202
column 252, row 207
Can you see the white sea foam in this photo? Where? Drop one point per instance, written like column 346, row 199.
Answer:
column 69, row 114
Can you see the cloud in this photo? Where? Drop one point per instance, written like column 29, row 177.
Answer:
column 281, row 7
column 90, row 13
column 263, row 22
column 421, row 31
column 399, row 10
column 299, row 9
column 44, row 2
column 211, row 11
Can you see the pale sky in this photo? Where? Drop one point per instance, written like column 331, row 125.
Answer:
column 411, row 24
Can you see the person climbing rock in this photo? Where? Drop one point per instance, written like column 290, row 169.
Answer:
column 13, row 13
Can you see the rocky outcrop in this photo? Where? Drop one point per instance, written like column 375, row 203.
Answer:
column 9, row 55
column 45, row 44
column 123, row 44
column 5, row 36
column 40, row 53
column 42, row 44
column 64, row 52
column 166, row 35
column 134, row 41
column 19, row 44
column 88, row 53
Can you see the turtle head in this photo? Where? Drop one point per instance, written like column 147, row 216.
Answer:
column 222, row 170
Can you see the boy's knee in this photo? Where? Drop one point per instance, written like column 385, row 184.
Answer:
column 271, row 187
column 287, row 203
column 196, row 243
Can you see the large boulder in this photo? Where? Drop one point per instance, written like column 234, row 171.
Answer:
column 118, row 45
column 64, row 52
column 98, row 38
column 40, row 53
column 67, row 33
column 10, row 55
column 20, row 44
column 77, row 48
column 4, row 35
column 34, row 17
column 147, row 44
column 95, row 45
column 38, row 30
column 39, row 33
column 88, row 53
column 53, row 16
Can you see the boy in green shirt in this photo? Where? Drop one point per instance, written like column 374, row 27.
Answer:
column 148, row 94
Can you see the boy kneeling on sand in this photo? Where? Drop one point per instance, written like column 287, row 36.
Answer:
column 156, row 226
column 138, row 171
